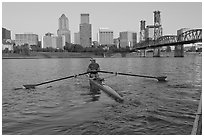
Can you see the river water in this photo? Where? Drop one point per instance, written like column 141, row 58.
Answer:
column 64, row 107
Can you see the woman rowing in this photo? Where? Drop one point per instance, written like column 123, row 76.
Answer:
column 93, row 69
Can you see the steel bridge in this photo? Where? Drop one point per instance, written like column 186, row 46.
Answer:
column 188, row 37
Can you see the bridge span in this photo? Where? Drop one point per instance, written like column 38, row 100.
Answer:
column 187, row 37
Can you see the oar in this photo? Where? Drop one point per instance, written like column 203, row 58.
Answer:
column 160, row 78
column 32, row 86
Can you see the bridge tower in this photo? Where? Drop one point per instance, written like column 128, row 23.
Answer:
column 157, row 25
column 142, row 30
column 157, row 31
column 142, row 36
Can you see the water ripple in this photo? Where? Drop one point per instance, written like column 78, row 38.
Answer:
column 65, row 107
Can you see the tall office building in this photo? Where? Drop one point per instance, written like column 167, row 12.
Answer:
column 48, row 41
column 56, row 42
column 85, row 18
column 85, row 31
column 30, row 39
column 6, row 34
column 77, row 38
column 64, row 28
column 105, row 36
column 128, row 39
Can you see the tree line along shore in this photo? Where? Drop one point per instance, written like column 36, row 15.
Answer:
column 75, row 51
column 48, row 55
column 69, row 51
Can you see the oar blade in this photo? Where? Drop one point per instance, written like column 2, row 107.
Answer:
column 29, row 86
column 32, row 86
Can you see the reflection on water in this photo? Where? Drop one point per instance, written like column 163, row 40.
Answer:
column 65, row 107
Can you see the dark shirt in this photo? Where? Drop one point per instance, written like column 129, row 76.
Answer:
column 93, row 66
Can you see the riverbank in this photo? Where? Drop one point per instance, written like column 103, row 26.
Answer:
column 40, row 55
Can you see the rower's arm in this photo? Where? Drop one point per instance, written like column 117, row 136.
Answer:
column 98, row 69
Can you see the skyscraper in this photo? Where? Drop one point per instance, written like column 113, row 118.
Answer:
column 56, row 42
column 64, row 28
column 85, row 31
column 85, row 18
column 6, row 34
column 105, row 36
column 128, row 39
column 77, row 38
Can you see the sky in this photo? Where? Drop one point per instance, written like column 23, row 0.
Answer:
column 42, row 17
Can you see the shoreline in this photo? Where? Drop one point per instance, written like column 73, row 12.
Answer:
column 60, row 55
column 47, row 55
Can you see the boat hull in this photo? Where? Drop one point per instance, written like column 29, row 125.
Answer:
column 108, row 90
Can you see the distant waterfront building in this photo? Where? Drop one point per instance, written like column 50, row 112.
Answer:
column 30, row 39
column 85, row 31
column 128, row 39
column 64, row 28
column 77, row 38
column 6, row 34
column 56, row 42
column 105, row 36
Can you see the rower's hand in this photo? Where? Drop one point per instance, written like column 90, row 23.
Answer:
column 92, row 71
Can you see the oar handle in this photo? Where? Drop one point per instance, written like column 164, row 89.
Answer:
column 61, row 79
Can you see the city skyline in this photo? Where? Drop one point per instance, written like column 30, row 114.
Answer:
column 116, row 16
